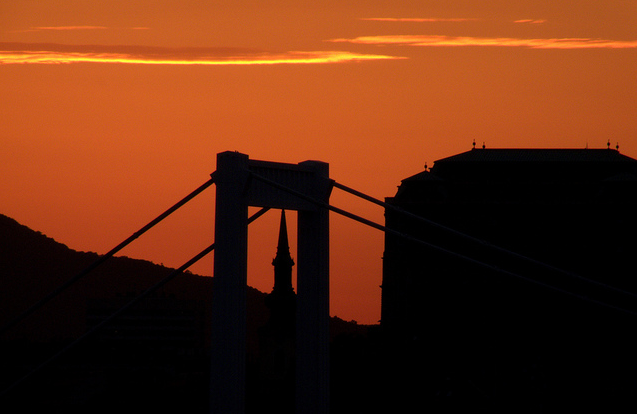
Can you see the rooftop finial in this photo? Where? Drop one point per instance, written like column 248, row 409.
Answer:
column 608, row 144
column 483, row 146
column 474, row 144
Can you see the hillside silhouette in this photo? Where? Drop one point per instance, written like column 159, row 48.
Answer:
column 155, row 356
column 33, row 265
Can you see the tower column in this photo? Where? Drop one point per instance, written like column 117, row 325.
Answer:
column 312, row 327
column 227, row 388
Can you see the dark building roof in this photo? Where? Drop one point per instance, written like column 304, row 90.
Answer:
column 538, row 165
column 561, row 155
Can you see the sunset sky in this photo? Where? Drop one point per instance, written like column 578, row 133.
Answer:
column 111, row 110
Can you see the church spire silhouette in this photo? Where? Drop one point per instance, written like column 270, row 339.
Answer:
column 277, row 337
column 282, row 300
column 283, row 261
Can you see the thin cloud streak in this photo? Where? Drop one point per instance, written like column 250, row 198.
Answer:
column 58, row 29
column 417, row 20
column 70, row 28
column 531, row 21
column 441, row 20
column 457, row 41
column 15, row 53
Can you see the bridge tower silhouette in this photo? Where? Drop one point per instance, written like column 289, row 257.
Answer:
column 241, row 183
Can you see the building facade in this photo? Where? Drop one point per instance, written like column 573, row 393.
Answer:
column 509, row 279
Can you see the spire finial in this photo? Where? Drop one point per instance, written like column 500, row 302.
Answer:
column 283, row 244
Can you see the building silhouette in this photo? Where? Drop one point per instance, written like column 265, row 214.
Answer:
column 505, row 303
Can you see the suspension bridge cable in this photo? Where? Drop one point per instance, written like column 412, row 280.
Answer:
column 106, row 256
column 479, row 241
column 396, row 233
column 124, row 308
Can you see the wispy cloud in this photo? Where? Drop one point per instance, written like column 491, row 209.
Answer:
column 72, row 28
column 458, row 41
column 416, row 19
column 530, row 21
column 49, row 53
column 441, row 20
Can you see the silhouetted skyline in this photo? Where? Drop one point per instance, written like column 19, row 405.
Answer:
column 501, row 295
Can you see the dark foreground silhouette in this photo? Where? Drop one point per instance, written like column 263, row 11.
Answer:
column 465, row 328
column 507, row 305
column 154, row 358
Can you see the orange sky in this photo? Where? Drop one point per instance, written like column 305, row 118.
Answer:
column 112, row 111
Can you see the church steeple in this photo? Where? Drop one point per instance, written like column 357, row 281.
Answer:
column 277, row 338
column 283, row 260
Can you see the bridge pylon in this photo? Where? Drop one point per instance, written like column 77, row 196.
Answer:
column 241, row 183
